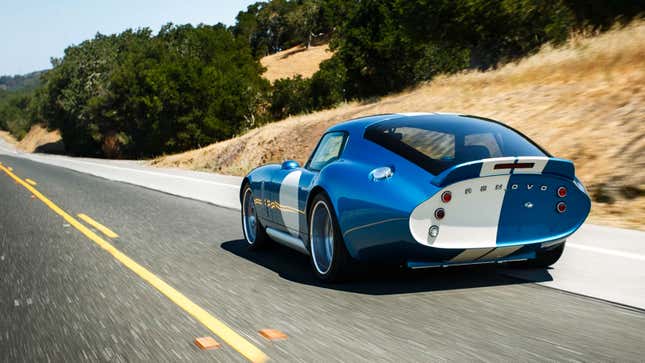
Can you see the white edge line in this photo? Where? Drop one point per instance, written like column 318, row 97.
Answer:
column 606, row 251
column 132, row 170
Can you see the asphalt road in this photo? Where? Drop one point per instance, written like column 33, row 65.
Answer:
column 64, row 298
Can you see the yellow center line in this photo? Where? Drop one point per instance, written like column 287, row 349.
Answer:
column 31, row 182
column 237, row 342
column 106, row 231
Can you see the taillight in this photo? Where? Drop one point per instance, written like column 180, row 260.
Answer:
column 561, row 207
column 446, row 197
column 439, row 213
column 562, row 192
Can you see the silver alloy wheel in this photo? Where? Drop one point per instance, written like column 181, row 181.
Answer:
column 249, row 216
column 321, row 232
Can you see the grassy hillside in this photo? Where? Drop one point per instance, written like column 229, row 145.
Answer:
column 584, row 101
column 295, row 61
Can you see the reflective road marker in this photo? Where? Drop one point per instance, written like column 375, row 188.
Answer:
column 237, row 342
column 273, row 334
column 207, row 343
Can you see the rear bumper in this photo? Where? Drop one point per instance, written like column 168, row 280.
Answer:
column 391, row 242
column 525, row 253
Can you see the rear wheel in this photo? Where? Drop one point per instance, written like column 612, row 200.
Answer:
column 329, row 257
column 544, row 258
column 254, row 233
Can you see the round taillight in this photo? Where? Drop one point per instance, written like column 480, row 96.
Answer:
column 562, row 192
column 439, row 213
column 561, row 207
column 446, row 197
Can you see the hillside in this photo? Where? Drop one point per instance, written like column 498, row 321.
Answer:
column 295, row 61
column 38, row 139
column 20, row 82
column 584, row 101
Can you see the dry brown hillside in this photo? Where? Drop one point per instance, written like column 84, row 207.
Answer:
column 38, row 139
column 295, row 61
column 6, row 136
column 584, row 101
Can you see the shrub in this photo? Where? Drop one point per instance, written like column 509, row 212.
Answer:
column 290, row 96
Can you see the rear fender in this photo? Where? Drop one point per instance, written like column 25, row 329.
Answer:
column 360, row 202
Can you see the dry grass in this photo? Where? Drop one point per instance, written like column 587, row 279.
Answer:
column 6, row 136
column 295, row 61
column 38, row 137
column 584, row 101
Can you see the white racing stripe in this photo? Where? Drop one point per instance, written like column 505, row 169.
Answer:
column 288, row 199
column 539, row 162
column 471, row 217
column 488, row 166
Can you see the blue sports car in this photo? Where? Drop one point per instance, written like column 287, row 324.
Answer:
column 418, row 190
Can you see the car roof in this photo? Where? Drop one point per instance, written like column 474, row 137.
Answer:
column 359, row 124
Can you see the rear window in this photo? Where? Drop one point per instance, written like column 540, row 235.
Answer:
column 437, row 143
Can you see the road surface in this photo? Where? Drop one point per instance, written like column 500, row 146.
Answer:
column 69, row 292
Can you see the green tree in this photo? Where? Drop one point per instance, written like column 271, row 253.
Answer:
column 136, row 94
column 304, row 19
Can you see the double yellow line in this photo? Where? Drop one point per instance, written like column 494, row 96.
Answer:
column 237, row 342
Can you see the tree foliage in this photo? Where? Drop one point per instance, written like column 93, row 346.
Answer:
column 387, row 45
column 140, row 94
column 272, row 26
column 137, row 94
column 16, row 110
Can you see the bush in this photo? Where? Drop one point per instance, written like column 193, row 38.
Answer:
column 435, row 60
column 328, row 84
column 16, row 111
column 290, row 96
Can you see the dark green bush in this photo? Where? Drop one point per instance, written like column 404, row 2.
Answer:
column 328, row 84
column 16, row 108
column 290, row 96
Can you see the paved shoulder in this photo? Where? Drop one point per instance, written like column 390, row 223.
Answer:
column 213, row 188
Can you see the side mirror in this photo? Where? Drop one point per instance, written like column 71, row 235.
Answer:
column 290, row 164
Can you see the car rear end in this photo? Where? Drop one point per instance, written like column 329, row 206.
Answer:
column 502, row 202
column 498, row 196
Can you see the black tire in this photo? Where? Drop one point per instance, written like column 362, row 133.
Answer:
column 339, row 268
column 254, row 233
column 544, row 258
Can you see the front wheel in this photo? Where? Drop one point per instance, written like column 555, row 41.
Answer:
column 254, row 233
column 329, row 257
